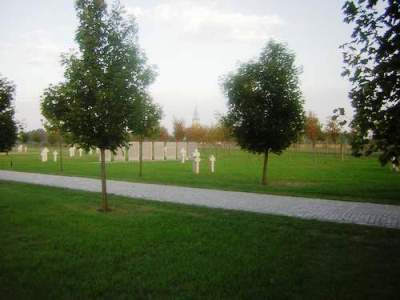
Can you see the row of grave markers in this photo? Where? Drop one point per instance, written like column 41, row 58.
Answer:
column 153, row 151
column 183, row 157
column 150, row 151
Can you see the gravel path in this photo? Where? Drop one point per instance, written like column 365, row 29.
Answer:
column 326, row 210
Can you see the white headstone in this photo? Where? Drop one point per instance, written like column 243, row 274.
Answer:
column 20, row 148
column 133, row 152
column 55, row 153
column 71, row 151
column 183, row 155
column 147, row 151
column 90, row 151
column 170, row 154
column 158, row 150
column 26, row 149
column 212, row 163
column 80, row 150
column 97, row 151
column 43, row 154
column 120, row 154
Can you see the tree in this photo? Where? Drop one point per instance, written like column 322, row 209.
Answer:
column 8, row 126
column 265, row 105
column 38, row 136
column 54, row 106
column 372, row 64
column 179, row 130
column 340, row 119
column 103, row 80
column 332, row 130
column 313, row 128
column 163, row 134
column 197, row 133
column 23, row 136
column 145, row 122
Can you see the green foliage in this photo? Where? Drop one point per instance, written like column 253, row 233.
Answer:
column 52, row 137
column 104, row 80
column 54, row 106
column 8, row 126
column 38, row 136
column 372, row 61
column 23, row 137
column 265, row 102
column 145, row 117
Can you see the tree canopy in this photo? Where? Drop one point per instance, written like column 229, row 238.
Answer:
column 372, row 63
column 265, row 105
column 313, row 128
column 8, row 126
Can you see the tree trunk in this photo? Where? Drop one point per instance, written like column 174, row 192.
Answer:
column 11, row 161
column 341, row 151
column 61, row 157
column 315, row 152
column 103, row 181
column 140, row 157
column 264, row 174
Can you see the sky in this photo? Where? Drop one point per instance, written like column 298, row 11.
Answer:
column 192, row 43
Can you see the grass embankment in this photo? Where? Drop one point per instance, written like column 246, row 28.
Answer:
column 298, row 174
column 54, row 244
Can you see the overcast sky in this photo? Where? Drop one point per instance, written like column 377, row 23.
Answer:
column 193, row 43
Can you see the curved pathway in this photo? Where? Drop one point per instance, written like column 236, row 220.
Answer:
column 325, row 210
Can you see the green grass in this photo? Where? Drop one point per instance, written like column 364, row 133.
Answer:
column 298, row 174
column 55, row 245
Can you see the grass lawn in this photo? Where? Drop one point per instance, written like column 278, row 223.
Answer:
column 298, row 174
column 54, row 244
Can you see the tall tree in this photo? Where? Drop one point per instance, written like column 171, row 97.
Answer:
column 144, row 122
column 179, row 129
column 8, row 126
column 340, row 120
column 372, row 63
column 23, row 136
column 163, row 134
column 313, row 128
column 332, row 130
column 54, row 106
column 103, row 80
column 265, row 104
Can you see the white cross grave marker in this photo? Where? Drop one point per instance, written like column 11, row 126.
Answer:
column 196, row 161
column 196, row 153
column 55, row 153
column 71, row 151
column 212, row 163
column 43, row 154
column 197, row 165
column 80, row 152
column 26, row 149
column 90, row 151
